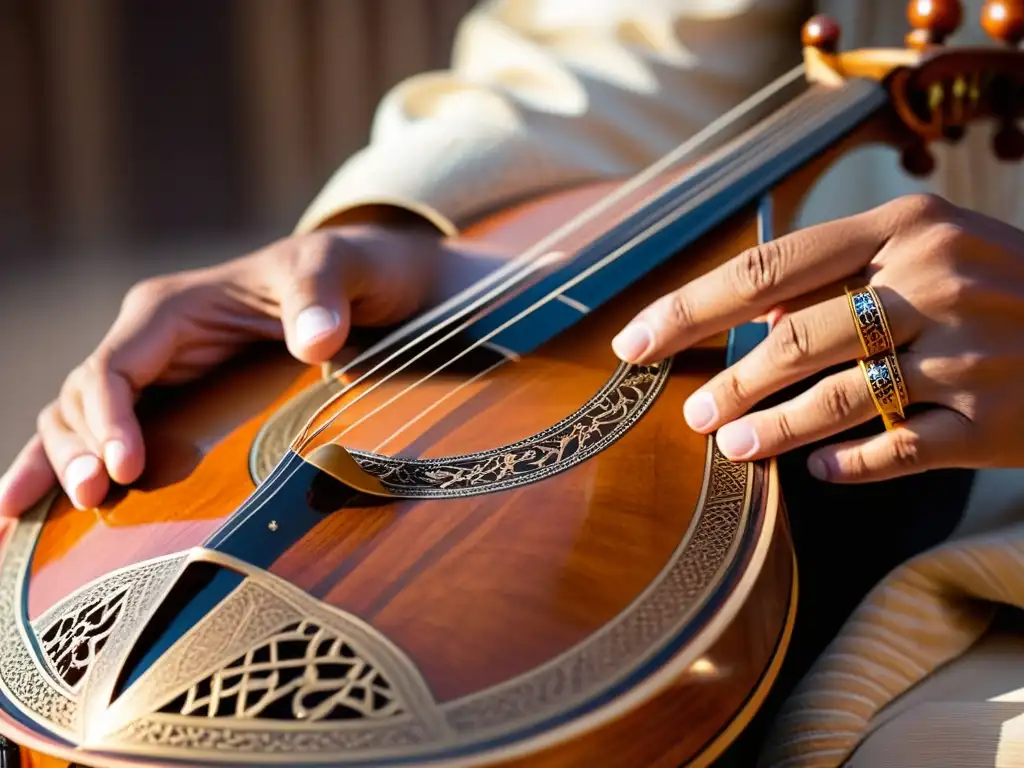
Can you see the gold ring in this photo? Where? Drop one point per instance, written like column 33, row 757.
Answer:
column 872, row 324
column 888, row 390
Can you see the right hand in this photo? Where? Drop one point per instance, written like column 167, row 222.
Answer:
column 308, row 290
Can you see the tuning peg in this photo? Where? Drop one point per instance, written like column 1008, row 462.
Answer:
column 933, row 21
column 821, row 32
column 917, row 160
column 1003, row 20
column 1008, row 142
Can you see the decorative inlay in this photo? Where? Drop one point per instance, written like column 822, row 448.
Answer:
column 21, row 671
column 73, row 641
column 273, row 669
column 619, row 404
column 304, row 672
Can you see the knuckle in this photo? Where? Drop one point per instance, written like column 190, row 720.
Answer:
column 756, row 271
column 97, row 363
column 46, row 418
column 677, row 311
column 951, row 292
column 792, row 341
column 856, row 465
column 784, row 431
column 921, row 206
column 946, row 236
column 313, row 252
column 837, row 403
column 72, row 383
column 150, row 293
column 735, row 390
column 905, row 450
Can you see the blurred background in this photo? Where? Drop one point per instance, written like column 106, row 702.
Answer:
column 142, row 137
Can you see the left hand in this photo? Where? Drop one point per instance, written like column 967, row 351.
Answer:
column 951, row 282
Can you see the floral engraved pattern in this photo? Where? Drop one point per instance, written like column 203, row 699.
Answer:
column 613, row 410
column 75, row 640
column 303, row 673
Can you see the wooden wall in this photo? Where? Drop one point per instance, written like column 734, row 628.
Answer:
column 155, row 119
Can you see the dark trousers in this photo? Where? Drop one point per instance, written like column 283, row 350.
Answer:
column 847, row 538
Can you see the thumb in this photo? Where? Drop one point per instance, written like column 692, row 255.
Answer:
column 315, row 310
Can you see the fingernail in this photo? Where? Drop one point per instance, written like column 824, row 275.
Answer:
column 818, row 467
column 80, row 470
column 632, row 341
column 5, row 482
column 737, row 440
column 700, row 410
column 314, row 322
column 115, row 454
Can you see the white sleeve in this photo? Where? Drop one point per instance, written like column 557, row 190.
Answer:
column 548, row 93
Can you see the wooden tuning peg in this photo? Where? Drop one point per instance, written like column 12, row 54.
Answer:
column 821, row 32
column 1008, row 142
column 932, row 21
column 1003, row 20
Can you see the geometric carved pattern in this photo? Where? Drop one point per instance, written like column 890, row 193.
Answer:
column 74, row 641
column 304, row 672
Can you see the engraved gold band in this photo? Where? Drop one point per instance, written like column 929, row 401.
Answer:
column 888, row 390
column 872, row 324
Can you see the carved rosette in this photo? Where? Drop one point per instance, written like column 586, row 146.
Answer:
column 616, row 407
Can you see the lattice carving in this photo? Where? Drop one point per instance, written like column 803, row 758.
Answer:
column 76, row 639
column 304, row 672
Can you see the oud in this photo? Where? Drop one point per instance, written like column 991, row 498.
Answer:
column 482, row 540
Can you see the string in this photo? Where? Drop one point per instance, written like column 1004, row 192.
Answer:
column 709, row 185
column 706, row 188
column 532, row 260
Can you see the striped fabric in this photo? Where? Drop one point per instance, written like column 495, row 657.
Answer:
column 925, row 614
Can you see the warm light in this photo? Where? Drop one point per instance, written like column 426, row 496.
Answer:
column 704, row 667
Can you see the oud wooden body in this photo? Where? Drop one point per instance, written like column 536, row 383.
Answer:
column 538, row 602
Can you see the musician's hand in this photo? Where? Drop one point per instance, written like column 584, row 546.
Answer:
column 308, row 290
column 952, row 284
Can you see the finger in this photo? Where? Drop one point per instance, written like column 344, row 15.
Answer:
column 799, row 344
column 935, row 439
column 72, row 412
column 108, row 403
column 79, row 471
column 315, row 310
column 751, row 284
column 29, row 478
column 834, row 404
